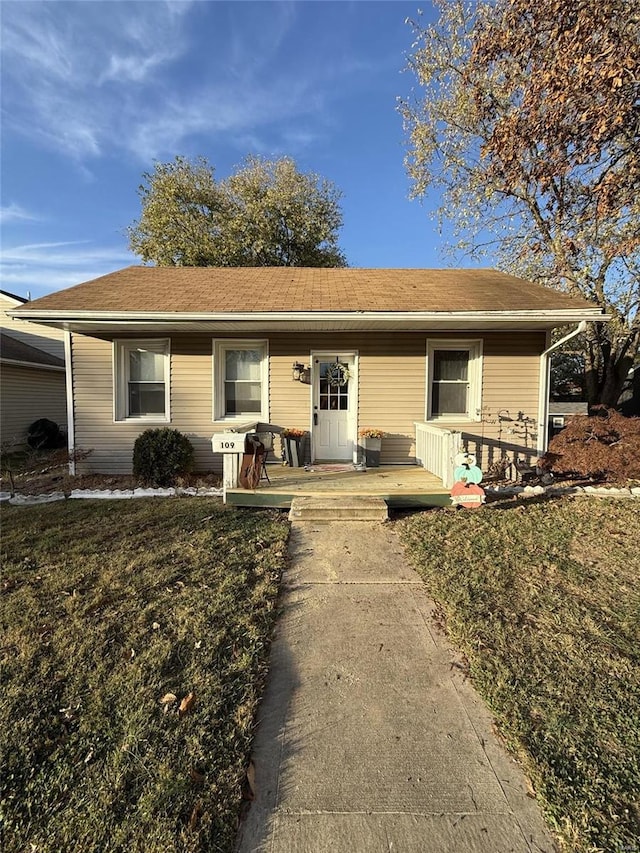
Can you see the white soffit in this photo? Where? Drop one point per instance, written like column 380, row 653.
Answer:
column 96, row 322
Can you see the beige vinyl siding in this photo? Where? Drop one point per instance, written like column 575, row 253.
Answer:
column 510, row 381
column 28, row 394
column 42, row 337
column 390, row 386
column 391, row 390
column 111, row 443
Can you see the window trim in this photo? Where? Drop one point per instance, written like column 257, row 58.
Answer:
column 474, row 348
column 120, row 360
column 219, row 347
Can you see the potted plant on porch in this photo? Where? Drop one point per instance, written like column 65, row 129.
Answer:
column 369, row 446
column 295, row 447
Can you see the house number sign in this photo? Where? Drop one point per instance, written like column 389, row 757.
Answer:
column 228, row 442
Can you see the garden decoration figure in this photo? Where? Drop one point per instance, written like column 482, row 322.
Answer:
column 466, row 492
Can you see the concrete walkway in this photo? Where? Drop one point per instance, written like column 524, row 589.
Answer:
column 370, row 739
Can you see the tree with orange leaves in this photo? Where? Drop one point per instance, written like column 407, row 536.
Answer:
column 528, row 121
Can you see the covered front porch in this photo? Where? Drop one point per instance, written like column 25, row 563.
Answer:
column 426, row 482
column 400, row 486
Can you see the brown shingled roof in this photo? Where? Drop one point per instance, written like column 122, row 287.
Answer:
column 218, row 290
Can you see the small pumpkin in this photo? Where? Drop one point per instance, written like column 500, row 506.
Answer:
column 467, row 474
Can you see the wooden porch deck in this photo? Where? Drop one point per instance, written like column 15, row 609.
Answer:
column 399, row 485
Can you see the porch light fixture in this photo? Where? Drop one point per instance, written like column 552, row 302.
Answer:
column 298, row 370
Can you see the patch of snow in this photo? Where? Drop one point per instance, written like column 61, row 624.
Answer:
column 5, row 496
column 31, row 500
column 200, row 492
column 121, row 494
column 97, row 494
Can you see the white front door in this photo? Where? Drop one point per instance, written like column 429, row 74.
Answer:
column 334, row 406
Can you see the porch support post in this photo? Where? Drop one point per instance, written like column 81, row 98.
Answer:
column 71, row 430
column 230, row 472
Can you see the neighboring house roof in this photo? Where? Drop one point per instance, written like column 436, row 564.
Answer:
column 140, row 289
column 568, row 408
column 11, row 297
column 17, row 352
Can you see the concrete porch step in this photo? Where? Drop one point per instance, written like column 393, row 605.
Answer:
column 338, row 508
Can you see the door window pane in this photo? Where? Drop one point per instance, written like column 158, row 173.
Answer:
column 333, row 396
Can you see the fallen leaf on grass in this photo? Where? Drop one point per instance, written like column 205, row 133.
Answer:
column 168, row 699
column 195, row 817
column 187, row 704
column 249, row 783
column 196, row 776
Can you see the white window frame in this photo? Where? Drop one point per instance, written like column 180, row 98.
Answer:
column 121, row 350
column 474, row 348
column 220, row 346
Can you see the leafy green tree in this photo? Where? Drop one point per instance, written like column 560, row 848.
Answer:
column 527, row 121
column 266, row 214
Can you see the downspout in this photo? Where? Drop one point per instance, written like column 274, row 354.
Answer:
column 71, row 438
column 545, row 378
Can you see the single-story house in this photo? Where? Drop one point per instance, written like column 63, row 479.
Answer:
column 419, row 354
column 32, row 374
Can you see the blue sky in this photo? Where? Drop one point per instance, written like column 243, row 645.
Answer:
column 94, row 92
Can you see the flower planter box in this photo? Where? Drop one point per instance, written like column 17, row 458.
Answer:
column 369, row 452
column 296, row 450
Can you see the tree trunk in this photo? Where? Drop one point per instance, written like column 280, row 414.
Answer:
column 607, row 364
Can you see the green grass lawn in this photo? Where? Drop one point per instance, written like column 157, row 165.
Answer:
column 544, row 601
column 106, row 608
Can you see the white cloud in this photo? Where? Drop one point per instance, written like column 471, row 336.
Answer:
column 132, row 68
column 44, row 267
column 97, row 79
column 15, row 213
column 67, row 68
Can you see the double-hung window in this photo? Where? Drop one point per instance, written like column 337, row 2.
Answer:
column 454, row 378
column 141, row 380
column 240, row 380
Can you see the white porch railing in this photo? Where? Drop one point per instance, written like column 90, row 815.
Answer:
column 436, row 450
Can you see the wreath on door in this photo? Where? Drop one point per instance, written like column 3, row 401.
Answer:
column 338, row 374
